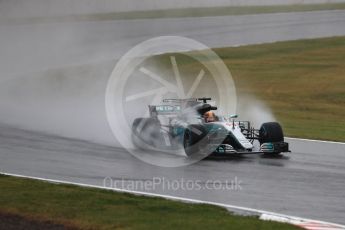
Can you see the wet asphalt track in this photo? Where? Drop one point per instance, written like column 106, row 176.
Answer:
column 35, row 47
column 309, row 182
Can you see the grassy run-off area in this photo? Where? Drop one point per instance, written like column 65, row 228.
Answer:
column 88, row 208
column 186, row 12
column 303, row 82
column 215, row 11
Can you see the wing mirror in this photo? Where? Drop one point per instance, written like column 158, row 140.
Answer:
column 233, row 120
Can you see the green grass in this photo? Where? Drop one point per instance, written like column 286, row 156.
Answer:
column 220, row 11
column 302, row 81
column 99, row 209
column 215, row 11
column 186, row 12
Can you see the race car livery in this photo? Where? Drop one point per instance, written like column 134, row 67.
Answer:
column 192, row 125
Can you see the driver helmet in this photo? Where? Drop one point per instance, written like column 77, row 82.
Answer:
column 210, row 116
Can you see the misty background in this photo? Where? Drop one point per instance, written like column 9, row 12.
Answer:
column 34, row 8
column 53, row 75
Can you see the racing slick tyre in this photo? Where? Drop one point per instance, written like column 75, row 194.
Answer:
column 193, row 140
column 271, row 133
column 145, row 131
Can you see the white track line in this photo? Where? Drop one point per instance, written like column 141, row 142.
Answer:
column 263, row 215
column 311, row 140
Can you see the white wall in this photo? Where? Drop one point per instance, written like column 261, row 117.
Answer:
column 67, row 7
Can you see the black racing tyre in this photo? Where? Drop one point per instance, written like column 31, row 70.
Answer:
column 145, row 131
column 193, row 139
column 271, row 132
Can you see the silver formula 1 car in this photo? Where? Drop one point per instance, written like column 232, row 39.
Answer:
column 181, row 123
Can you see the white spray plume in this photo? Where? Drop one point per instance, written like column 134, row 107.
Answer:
column 253, row 109
column 48, row 84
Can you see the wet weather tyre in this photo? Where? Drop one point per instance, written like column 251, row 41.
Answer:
column 145, row 131
column 271, row 132
column 193, row 140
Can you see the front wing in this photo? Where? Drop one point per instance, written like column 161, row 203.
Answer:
column 271, row 147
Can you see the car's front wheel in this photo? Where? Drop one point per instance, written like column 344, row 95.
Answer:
column 193, row 140
column 270, row 136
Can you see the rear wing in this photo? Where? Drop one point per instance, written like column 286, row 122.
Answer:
column 177, row 106
column 156, row 110
column 179, row 101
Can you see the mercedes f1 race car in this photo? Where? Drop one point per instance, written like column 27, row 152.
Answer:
column 192, row 125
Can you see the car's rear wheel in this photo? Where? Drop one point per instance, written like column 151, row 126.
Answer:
column 145, row 131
